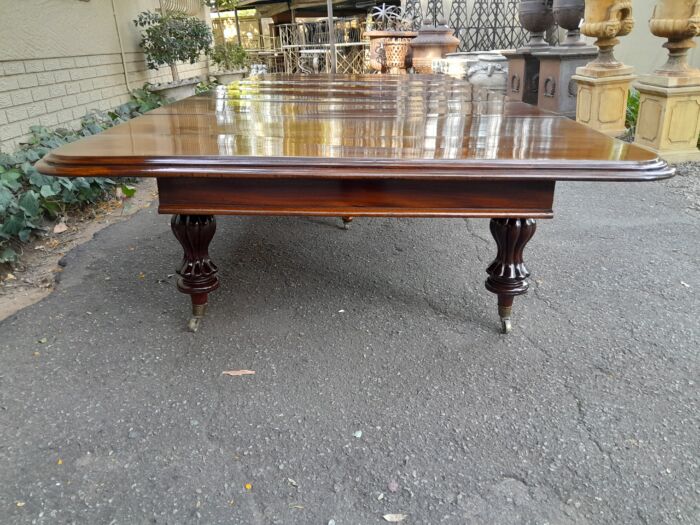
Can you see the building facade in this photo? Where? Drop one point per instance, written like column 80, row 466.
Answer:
column 59, row 59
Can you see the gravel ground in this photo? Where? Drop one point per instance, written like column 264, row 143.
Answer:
column 382, row 384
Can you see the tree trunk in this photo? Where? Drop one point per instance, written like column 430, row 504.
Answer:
column 176, row 75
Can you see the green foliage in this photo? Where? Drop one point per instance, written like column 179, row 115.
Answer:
column 172, row 37
column 221, row 5
column 229, row 56
column 632, row 110
column 205, row 86
column 28, row 198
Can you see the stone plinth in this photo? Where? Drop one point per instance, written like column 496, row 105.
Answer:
column 669, row 120
column 557, row 89
column 602, row 101
column 523, row 74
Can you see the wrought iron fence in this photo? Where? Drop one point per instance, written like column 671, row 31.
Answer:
column 349, row 44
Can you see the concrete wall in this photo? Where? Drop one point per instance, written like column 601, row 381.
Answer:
column 60, row 59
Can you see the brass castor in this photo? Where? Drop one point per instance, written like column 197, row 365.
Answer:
column 198, row 311
column 506, row 326
column 504, row 313
column 346, row 222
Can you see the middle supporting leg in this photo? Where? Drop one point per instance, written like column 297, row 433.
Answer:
column 507, row 273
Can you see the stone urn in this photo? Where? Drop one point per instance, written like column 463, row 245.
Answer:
column 536, row 16
column 606, row 20
column 489, row 73
column 679, row 22
column 377, row 49
column 568, row 14
column 433, row 41
column 457, row 64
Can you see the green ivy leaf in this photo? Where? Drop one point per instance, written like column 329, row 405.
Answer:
column 24, row 234
column 8, row 255
column 13, row 225
column 39, row 180
column 29, row 203
column 128, row 191
column 47, row 191
column 10, row 179
column 6, row 198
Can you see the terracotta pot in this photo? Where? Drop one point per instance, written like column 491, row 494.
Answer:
column 396, row 51
column 432, row 42
column 377, row 53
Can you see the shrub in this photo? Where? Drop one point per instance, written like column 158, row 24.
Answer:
column 632, row 110
column 173, row 37
column 229, row 56
column 28, row 198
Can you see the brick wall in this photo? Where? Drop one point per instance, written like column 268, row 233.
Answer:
column 59, row 91
column 59, row 59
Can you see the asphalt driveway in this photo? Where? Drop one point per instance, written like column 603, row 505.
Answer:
column 381, row 386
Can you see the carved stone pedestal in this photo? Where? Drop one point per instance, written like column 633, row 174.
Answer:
column 601, row 103
column 603, row 84
column 523, row 76
column 669, row 99
column 669, row 121
column 523, row 67
column 557, row 89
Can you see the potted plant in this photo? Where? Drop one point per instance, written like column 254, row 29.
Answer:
column 170, row 38
column 389, row 32
column 231, row 59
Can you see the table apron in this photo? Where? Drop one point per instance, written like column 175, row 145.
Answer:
column 356, row 197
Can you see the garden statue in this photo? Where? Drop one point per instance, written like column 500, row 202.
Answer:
column 669, row 99
column 603, row 84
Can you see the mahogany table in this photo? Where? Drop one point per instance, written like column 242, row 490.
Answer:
column 348, row 146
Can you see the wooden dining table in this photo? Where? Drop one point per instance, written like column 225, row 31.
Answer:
column 354, row 146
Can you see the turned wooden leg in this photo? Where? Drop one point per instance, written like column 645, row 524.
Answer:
column 507, row 273
column 197, row 271
column 346, row 222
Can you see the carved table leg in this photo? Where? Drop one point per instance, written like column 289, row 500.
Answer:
column 197, row 271
column 346, row 222
column 507, row 273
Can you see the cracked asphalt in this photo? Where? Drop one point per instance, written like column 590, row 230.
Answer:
column 381, row 382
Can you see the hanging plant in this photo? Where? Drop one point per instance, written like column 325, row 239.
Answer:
column 171, row 38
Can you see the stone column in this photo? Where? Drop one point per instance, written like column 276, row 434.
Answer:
column 603, row 84
column 669, row 99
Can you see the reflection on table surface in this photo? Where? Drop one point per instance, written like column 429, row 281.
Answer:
column 402, row 117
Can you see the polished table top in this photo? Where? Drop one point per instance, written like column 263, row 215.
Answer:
column 407, row 126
